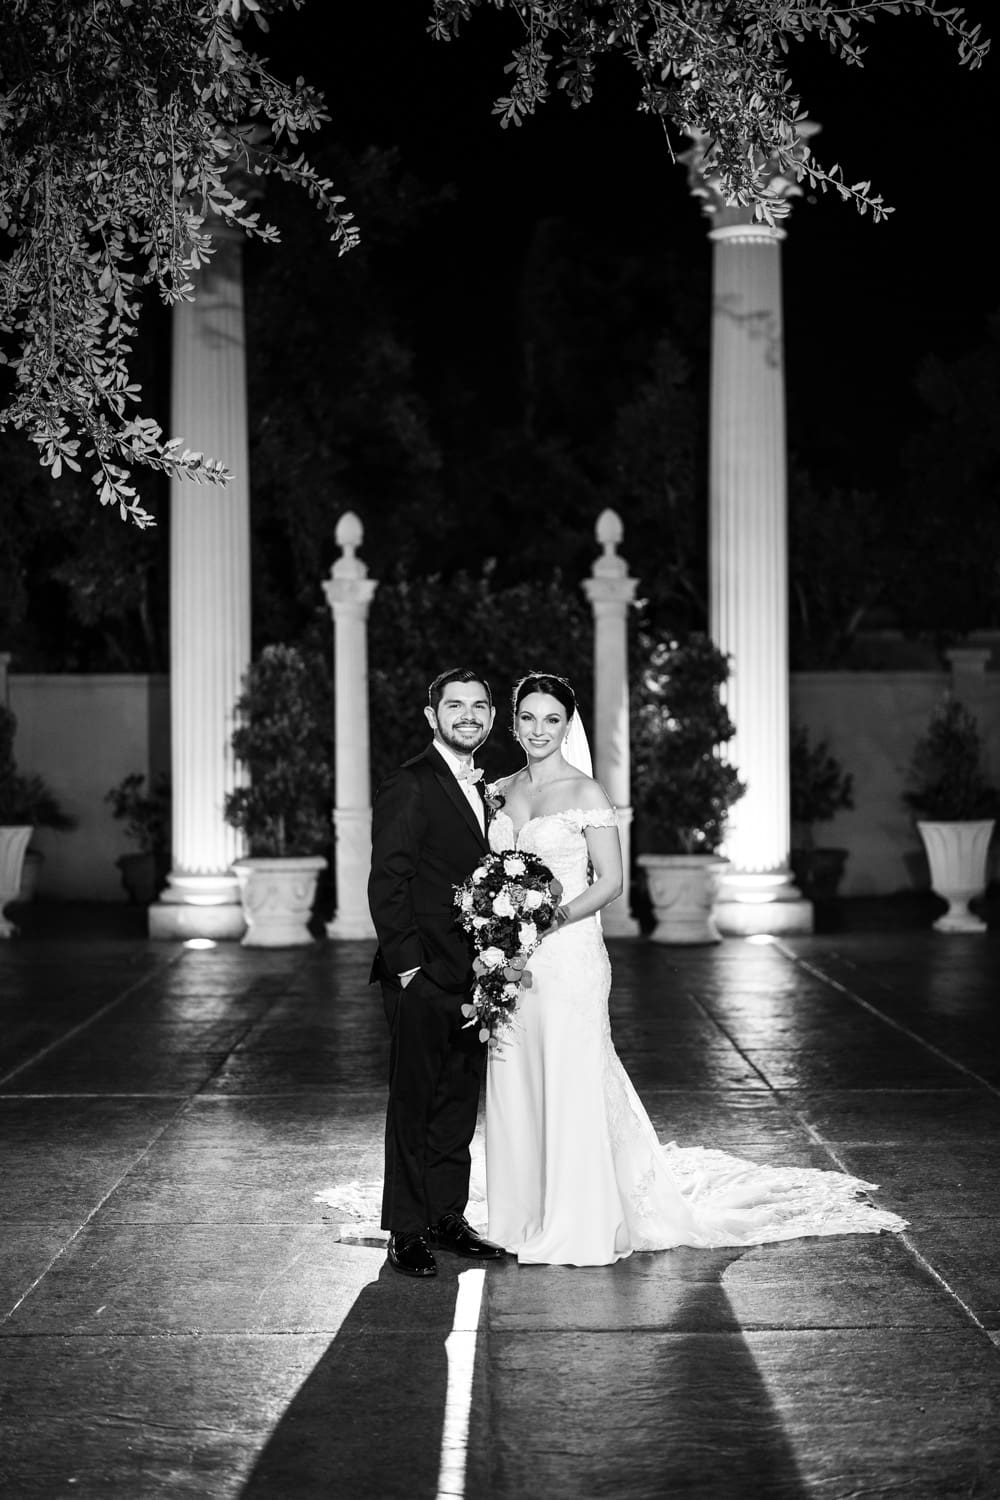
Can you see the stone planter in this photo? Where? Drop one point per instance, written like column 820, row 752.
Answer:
column 31, row 873
column 143, row 876
column 278, row 896
column 13, row 846
column 957, row 855
column 682, row 891
column 818, row 871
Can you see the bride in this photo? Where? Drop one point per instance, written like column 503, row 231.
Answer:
column 575, row 1174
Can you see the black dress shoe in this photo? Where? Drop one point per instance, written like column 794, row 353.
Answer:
column 409, row 1254
column 454, row 1233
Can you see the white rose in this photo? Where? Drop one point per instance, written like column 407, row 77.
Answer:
column 492, row 958
column 533, row 900
column 527, row 935
column 478, row 876
column 480, row 921
column 466, row 900
column 513, row 865
column 511, row 991
column 502, row 905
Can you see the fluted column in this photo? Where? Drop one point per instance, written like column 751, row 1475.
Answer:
column 611, row 591
column 349, row 593
column 748, row 554
column 209, row 603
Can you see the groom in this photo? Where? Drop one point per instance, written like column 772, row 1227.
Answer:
column 428, row 835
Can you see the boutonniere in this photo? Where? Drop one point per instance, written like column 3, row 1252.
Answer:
column 494, row 797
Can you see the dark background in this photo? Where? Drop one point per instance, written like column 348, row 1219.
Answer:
column 522, row 339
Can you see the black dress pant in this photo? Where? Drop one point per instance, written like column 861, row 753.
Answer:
column 435, row 1073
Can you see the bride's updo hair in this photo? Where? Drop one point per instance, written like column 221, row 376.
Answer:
column 545, row 682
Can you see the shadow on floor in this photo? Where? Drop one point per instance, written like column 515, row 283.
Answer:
column 555, row 1411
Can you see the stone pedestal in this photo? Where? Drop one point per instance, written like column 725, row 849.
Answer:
column 748, row 557
column 209, row 605
column 349, row 593
column 611, row 591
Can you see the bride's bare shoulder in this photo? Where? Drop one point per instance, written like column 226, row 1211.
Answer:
column 589, row 795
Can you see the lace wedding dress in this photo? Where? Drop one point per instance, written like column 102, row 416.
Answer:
column 575, row 1174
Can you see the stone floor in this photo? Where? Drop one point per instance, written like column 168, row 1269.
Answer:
column 177, row 1317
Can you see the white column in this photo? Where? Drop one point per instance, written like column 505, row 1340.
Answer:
column 611, row 591
column 209, row 604
column 748, row 556
column 349, row 593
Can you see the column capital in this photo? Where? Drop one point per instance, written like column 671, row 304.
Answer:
column 610, row 595
column 347, row 596
column 744, row 220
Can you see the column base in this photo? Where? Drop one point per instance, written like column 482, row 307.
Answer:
column 348, row 927
column 198, row 906
column 617, row 923
column 753, row 903
column 771, row 918
column 173, row 922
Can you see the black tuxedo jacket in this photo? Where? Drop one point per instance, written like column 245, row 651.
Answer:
column 425, row 841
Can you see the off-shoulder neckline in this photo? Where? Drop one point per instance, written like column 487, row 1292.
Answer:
column 566, row 812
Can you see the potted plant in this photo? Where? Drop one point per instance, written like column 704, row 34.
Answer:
column 948, row 785
column 284, row 741
column 146, row 815
column 683, row 790
column 820, row 788
column 26, row 803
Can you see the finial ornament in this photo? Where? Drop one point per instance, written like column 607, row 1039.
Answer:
column 349, row 534
column 609, row 532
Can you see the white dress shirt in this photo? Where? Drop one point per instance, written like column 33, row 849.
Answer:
column 472, row 796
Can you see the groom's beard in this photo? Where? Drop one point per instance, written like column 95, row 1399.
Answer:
column 464, row 744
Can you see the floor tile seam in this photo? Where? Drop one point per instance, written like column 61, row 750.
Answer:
column 887, row 1020
column 834, row 1156
column 133, row 1163
column 765, row 1082
column 167, row 1335
column 905, row 1239
column 104, row 1010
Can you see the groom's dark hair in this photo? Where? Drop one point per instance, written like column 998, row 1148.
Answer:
column 461, row 674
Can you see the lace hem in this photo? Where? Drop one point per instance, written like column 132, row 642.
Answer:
column 732, row 1202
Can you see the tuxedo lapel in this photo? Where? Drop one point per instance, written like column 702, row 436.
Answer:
column 455, row 795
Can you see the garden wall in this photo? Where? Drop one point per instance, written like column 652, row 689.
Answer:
column 84, row 733
column 872, row 721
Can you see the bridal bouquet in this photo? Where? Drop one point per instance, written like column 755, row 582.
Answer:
column 507, row 904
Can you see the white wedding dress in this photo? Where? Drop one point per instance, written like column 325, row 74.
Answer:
column 575, row 1174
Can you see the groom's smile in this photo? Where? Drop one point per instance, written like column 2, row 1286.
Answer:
column 464, row 716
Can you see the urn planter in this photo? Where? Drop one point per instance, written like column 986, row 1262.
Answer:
column 31, row 874
column 13, row 846
column 277, row 896
column 682, row 891
column 818, row 870
column 957, row 854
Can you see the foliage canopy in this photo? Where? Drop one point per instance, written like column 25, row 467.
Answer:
column 712, row 69
column 128, row 129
